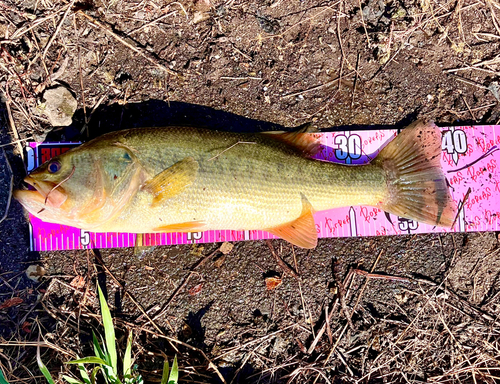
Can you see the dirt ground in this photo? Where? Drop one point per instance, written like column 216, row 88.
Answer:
column 253, row 66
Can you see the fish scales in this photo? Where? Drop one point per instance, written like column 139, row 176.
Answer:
column 261, row 183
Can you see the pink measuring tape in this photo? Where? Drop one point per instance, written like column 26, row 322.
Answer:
column 470, row 159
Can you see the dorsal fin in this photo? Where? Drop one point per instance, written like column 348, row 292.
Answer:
column 301, row 138
column 301, row 231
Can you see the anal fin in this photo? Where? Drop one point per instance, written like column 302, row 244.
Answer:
column 172, row 180
column 190, row 226
column 301, row 231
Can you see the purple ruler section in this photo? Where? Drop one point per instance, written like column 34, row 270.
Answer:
column 470, row 160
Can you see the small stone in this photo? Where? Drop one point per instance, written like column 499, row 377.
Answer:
column 199, row 16
column 268, row 25
column 35, row 272
column 59, row 106
column 226, row 247
column 495, row 89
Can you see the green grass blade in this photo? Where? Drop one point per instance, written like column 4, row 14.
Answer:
column 3, row 380
column 43, row 368
column 71, row 380
column 174, row 373
column 109, row 331
column 83, row 373
column 97, row 348
column 89, row 360
column 127, row 358
column 164, row 376
column 94, row 373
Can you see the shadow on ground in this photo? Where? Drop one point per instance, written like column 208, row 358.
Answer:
column 158, row 113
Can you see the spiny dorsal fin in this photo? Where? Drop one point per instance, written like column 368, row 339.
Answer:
column 301, row 138
column 301, row 231
column 172, row 180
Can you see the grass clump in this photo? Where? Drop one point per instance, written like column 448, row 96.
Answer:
column 105, row 360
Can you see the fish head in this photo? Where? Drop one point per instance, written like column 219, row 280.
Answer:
column 83, row 187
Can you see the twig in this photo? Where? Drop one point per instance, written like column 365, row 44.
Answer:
column 54, row 35
column 7, row 206
column 355, row 81
column 59, row 184
column 283, row 265
column 342, row 54
column 45, row 344
column 240, row 78
column 329, row 7
column 16, row 142
column 364, row 25
column 11, row 122
column 379, row 276
column 81, row 83
column 467, row 105
column 152, row 22
column 470, row 82
column 342, row 294
column 331, row 82
column 137, row 50
column 366, row 283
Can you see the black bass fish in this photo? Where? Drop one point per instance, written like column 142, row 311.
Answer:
column 179, row 179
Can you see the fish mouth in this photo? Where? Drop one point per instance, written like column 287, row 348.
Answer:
column 46, row 193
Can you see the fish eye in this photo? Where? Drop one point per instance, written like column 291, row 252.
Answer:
column 54, row 166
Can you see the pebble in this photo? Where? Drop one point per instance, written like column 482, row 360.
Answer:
column 60, row 105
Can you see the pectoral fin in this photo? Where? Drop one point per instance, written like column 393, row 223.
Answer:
column 190, row 226
column 172, row 181
column 300, row 232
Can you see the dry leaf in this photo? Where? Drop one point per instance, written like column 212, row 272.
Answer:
column 218, row 263
column 26, row 327
column 78, row 282
column 198, row 17
column 273, row 283
column 11, row 302
column 226, row 247
column 196, row 289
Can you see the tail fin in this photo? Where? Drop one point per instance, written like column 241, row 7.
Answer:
column 416, row 184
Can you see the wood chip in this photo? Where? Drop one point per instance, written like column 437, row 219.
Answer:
column 273, row 283
column 226, row 247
